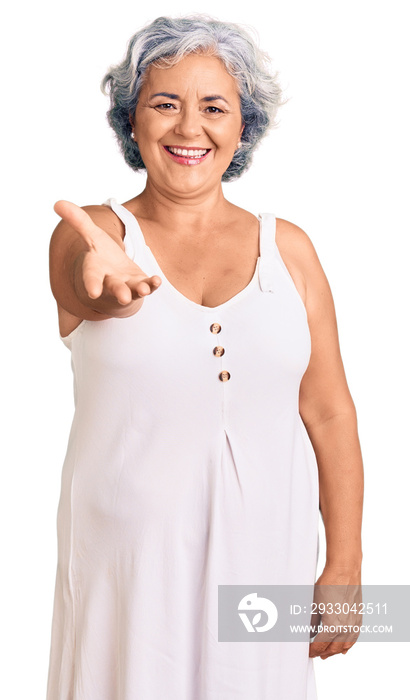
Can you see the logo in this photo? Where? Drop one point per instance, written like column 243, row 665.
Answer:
column 252, row 603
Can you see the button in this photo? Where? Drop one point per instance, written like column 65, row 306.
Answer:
column 224, row 376
column 215, row 328
column 219, row 350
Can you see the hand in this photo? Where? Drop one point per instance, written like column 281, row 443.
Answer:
column 333, row 588
column 105, row 269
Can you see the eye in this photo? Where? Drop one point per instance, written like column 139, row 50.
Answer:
column 214, row 110
column 166, row 106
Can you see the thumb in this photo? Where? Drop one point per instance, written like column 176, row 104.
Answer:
column 78, row 219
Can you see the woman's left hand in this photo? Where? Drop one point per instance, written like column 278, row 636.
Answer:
column 338, row 596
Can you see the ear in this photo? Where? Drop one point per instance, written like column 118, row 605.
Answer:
column 243, row 126
column 131, row 118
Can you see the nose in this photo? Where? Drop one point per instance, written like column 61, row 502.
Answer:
column 189, row 122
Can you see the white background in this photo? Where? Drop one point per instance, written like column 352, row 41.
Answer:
column 337, row 166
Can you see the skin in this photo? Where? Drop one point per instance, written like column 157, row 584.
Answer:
column 207, row 248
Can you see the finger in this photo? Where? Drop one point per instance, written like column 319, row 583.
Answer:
column 156, row 281
column 78, row 219
column 334, row 648
column 153, row 282
column 119, row 289
column 92, row 279
column 318, row 652
column 145, row 286
column 124, row 292
column 323, row 639
column 340, row 645
column 317, row 648
column 93, row 285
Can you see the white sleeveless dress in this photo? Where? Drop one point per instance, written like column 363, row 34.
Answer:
column 186, row 468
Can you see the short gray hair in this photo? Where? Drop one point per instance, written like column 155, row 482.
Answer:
column 171, row 39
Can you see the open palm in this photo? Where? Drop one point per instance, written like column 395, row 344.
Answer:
column 106, row 269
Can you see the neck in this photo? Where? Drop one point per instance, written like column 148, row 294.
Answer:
column 177, row 211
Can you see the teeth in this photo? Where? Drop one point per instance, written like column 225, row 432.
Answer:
column 190, row 153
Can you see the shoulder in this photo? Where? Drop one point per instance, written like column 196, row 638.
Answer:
column 294, row 242
column 300, row 257
column 106, row 218
column 297, row 249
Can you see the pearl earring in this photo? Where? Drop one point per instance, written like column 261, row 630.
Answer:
column 239, row 144
column 132, row 135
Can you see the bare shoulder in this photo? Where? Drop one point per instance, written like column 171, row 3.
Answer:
column 295, row 243
column 104, row 217
column 300, row 257
column 103, row 214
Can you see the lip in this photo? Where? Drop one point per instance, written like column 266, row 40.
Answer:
column 184, row 160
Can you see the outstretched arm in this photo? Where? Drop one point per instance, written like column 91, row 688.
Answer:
column 91, row 276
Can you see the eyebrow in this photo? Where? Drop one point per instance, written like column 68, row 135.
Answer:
column 212, row 98
column 172, row 96
column 166, row 94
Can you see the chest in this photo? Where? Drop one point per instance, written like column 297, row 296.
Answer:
column 211, row 271
column 208, row 267
column 208, row 278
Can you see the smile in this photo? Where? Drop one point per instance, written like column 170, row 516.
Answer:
column 187, row 156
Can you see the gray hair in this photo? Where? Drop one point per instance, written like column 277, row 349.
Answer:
column 165, row 41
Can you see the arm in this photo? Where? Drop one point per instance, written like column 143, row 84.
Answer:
column 328, row 413
column 91, row 276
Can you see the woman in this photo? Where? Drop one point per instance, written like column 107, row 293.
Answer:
column 213, row 417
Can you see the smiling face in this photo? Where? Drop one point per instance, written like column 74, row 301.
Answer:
column 187, row 124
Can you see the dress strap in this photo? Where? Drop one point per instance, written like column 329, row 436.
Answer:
column 267, row 232
column 134, row 240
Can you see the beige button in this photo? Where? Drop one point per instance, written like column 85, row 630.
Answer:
column 215, row 328
column 224, row 376
column 218, row 351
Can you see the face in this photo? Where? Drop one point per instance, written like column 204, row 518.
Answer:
column 188, row 124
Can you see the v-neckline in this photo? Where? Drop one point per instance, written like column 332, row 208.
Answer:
column 239, row 295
